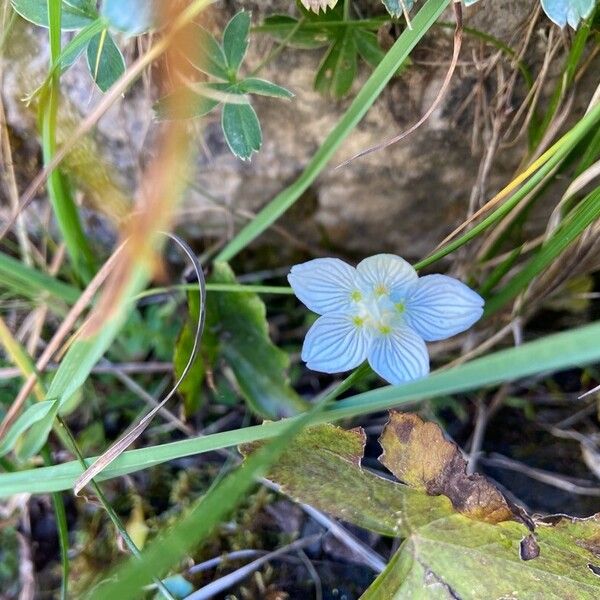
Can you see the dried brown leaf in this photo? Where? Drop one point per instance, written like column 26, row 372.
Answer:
column 418, row 454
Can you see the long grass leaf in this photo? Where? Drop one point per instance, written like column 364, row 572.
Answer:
column 560, row 351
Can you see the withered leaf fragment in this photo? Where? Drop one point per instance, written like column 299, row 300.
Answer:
column 418, row 454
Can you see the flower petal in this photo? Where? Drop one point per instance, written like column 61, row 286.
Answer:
column 386, row 271
column 335, row 343
column 399, row 356
column 324, row 284
column 439, row 306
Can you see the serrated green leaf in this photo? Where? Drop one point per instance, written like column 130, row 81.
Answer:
column 235, row 39
column 34, row 413
column 75, row 14
column 368, row 47
column 282, row 26
column 338, row 68
column 236, row 326
column 254, row 85
column 242, row 129
column 132, row 17
column 105, row 61
column 205, row 53
column 396, row 8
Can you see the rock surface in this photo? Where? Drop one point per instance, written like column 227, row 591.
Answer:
column 404, row 199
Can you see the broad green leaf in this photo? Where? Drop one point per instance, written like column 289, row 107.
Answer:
column 577, row 347
column 338, row 68
column 105, row 61
column 368, row 47
column 572, row 12
column 75, row 14
column 242, row 129
column 190, row 387
column 282, row 26
column 34, row 413
column 322, row 468
column 445, row 554
column 239, row 330
column 254, row 85
column 396, row 8
column 235, row 40
column 205, row 53
column 458, row 558
column 132, row 17
column 193, row 102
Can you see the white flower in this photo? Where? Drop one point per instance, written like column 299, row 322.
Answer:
column 381, row 312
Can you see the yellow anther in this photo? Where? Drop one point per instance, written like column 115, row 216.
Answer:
column 358, row 321
column 385, row 329
column 381, row 290
column 356, row 296
column 400, row 307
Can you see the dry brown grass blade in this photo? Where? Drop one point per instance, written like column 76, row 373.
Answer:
column 58, row 338
column 113, row 94
column 458, row 34
column 122, row 444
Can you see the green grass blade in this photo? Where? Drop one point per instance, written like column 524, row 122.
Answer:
column 563, row 147
column 59, row 193
column 421, row 23
column 17, row 277
column 582, row 216
column 559, row 351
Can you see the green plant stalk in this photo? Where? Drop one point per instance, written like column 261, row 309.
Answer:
column 423, row 20
column 561, row 149
column 559, row 351
column 582, row 217
column 171, row 547
column 59, row 194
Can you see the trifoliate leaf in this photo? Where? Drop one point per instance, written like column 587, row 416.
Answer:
column 235, row 39
column 105, row 61
column 242, row 130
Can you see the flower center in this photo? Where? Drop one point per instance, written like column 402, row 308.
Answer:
column 376, row 311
